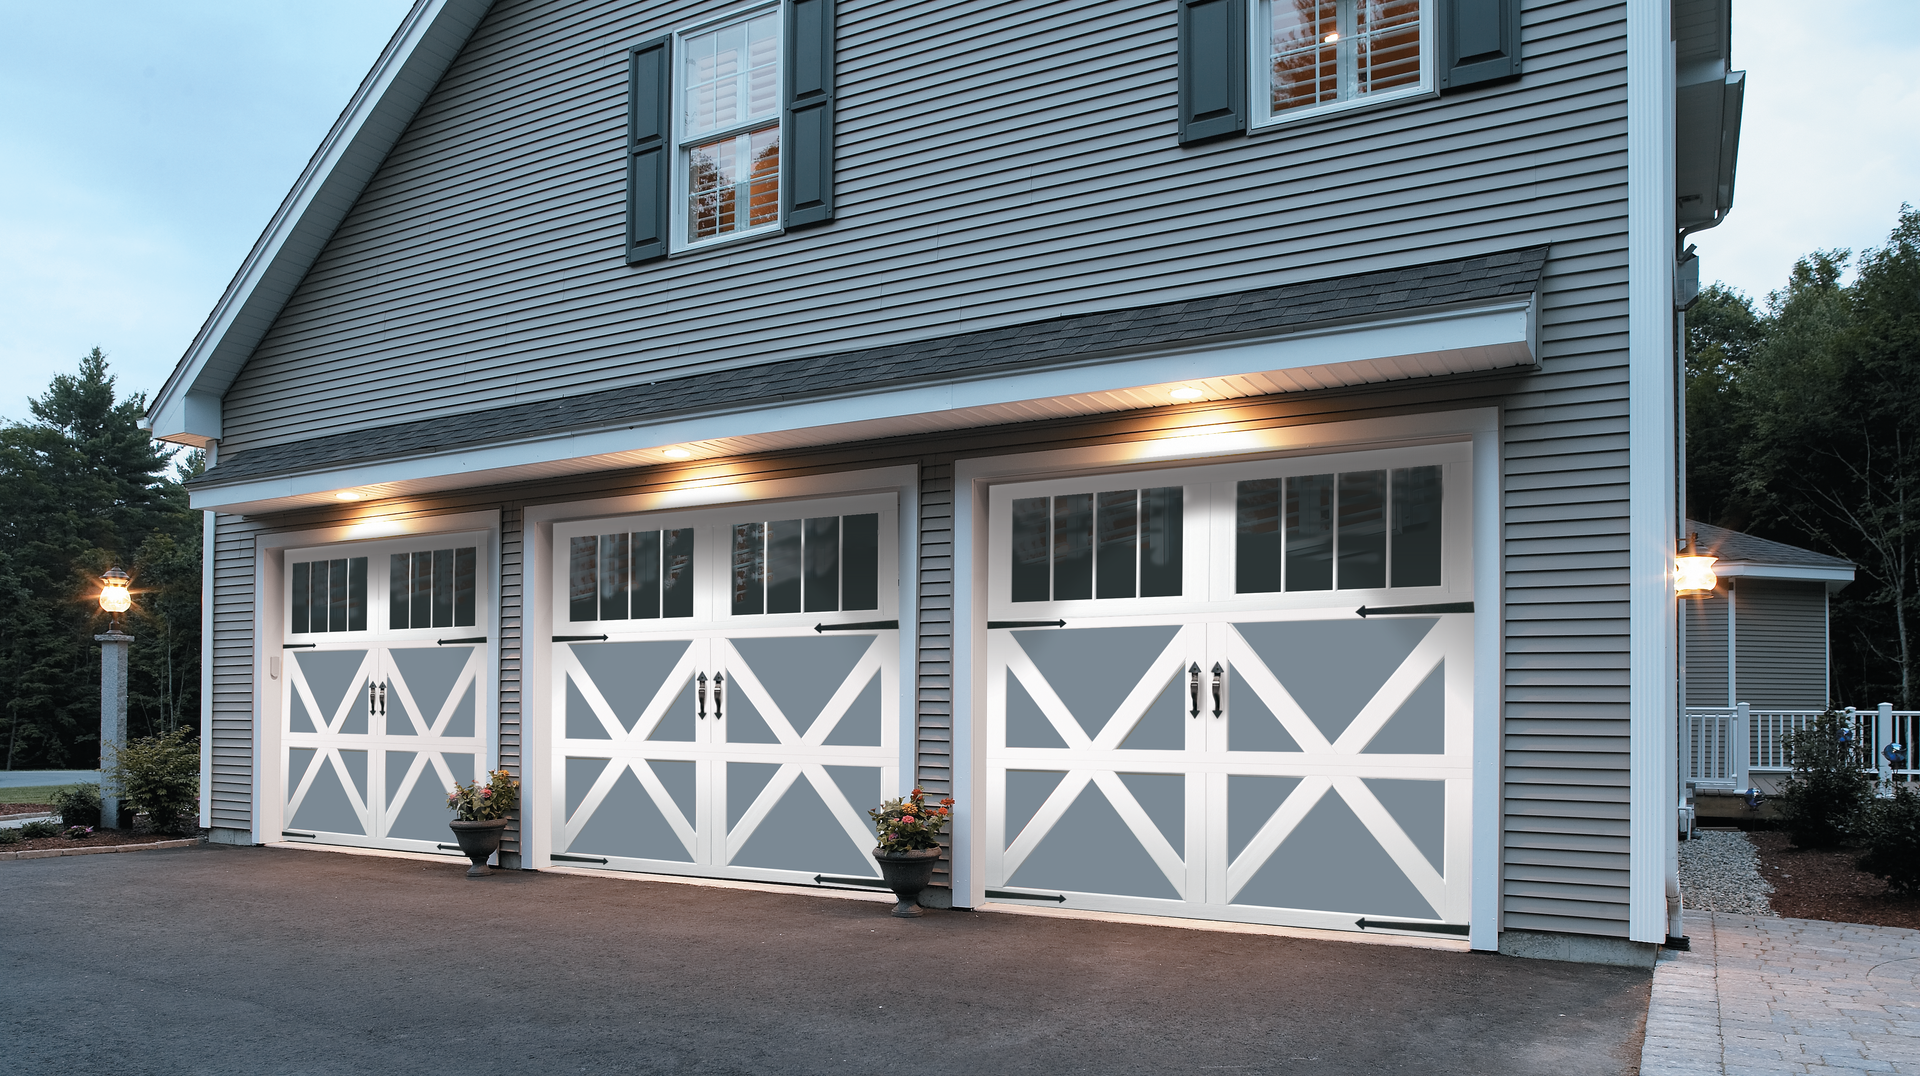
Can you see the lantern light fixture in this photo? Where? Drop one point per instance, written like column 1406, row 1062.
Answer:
column 113, row 594
column 1692, row 570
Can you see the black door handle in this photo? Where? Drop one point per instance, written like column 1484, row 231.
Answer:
column 1217, row 673
column 702, row 713
column 1193, row 687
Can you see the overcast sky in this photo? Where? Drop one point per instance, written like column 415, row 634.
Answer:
column 144, row 145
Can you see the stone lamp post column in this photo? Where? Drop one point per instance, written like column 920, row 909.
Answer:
column 113, row 689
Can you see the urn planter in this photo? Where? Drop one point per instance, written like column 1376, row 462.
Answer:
column 478, row 840
column 907, row 873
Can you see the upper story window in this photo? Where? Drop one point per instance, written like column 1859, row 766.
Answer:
column 1314, row 54
column 730, row 129
column 728, row 86
column 1252, row 64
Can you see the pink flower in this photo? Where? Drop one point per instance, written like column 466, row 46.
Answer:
column 906, row 818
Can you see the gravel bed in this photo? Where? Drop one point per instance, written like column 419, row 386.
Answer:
column 1720, row 872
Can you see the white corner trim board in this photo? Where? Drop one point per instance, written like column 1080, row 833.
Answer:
column 1652, row 657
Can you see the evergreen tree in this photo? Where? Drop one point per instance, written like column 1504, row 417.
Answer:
column 1827, row 412
column 82, row 487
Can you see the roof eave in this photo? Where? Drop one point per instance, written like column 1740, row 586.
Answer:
column 186, row 410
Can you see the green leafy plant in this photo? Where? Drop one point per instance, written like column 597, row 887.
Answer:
column 908, row 824
column 78, row 833
column 1890, row 829
column 9, row 835
column 33, row 831
column 479, row 802
column 159, row 776
column 78, row 805
column 1820, row 804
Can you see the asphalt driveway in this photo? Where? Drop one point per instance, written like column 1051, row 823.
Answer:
column 225, row 960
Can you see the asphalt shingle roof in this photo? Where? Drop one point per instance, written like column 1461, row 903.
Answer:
column 1734, row 547
column 1055, row 341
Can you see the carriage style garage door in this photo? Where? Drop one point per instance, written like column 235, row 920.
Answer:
column 725, row 689
column 1188, row 715
column 383, row 686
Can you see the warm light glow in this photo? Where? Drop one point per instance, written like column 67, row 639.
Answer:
column 349, row 495
column 677, row 453
column 1331, row 38
column 1186, row 393
column 113, row 592
column 376, row 527
column 1693, row 574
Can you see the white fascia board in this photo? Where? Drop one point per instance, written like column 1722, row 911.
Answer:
column 1493, row 336
column 186, row 410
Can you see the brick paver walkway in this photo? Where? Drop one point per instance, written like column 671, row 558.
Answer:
column 1759, row 996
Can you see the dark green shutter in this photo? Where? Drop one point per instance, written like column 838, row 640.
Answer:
column 1479, row 42
column 1213, row 69
column 649, row 150
column 806, row 161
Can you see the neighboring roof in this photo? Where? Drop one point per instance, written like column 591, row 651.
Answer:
column 1743, row 555
column 187, row 407
column 1055, row 342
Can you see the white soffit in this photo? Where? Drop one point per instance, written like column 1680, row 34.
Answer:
column 1476, row 339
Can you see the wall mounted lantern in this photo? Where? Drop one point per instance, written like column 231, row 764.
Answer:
column 1693, row 572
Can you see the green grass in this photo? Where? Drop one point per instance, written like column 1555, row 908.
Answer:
column 29, row 794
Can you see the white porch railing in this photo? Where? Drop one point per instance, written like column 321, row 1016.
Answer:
column 1722, row 746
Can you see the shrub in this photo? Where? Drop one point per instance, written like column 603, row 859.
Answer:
column 78, row 833
column 77, row 805
column 9, row 835
column 1820, row 804
column 1891, row 831
column 44, row 828
column 159, row 776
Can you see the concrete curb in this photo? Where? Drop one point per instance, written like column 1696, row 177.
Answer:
column 49, row 853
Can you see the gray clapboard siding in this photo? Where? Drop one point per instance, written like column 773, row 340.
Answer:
column 233, row 674
column 1707, row 683
column 483, row 259
column 507, row 693
column 1780, row 644
column 932, row 587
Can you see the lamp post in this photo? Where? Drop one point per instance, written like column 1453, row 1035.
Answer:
column 113, row 687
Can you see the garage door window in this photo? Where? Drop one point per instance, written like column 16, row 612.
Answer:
column 1350, row 530
column 637, row 575
column 1114, row 544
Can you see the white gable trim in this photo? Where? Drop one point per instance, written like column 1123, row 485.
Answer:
column 186, row 410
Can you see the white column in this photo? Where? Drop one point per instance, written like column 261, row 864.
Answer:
column 113, row 717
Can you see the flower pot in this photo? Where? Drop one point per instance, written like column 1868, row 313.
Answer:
column 478, row 840
column 907, row 873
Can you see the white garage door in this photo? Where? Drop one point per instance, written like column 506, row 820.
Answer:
column 1190, row 714
column 383, row 681
column 726, row 689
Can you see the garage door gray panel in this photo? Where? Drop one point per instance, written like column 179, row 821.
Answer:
column 1330, row 862
column 1332, row 668
column 1419, row 726
column 1092, row 850
column 1094, row 669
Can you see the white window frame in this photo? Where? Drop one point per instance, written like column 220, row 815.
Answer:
column 683, row 142
column 1258, row 75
